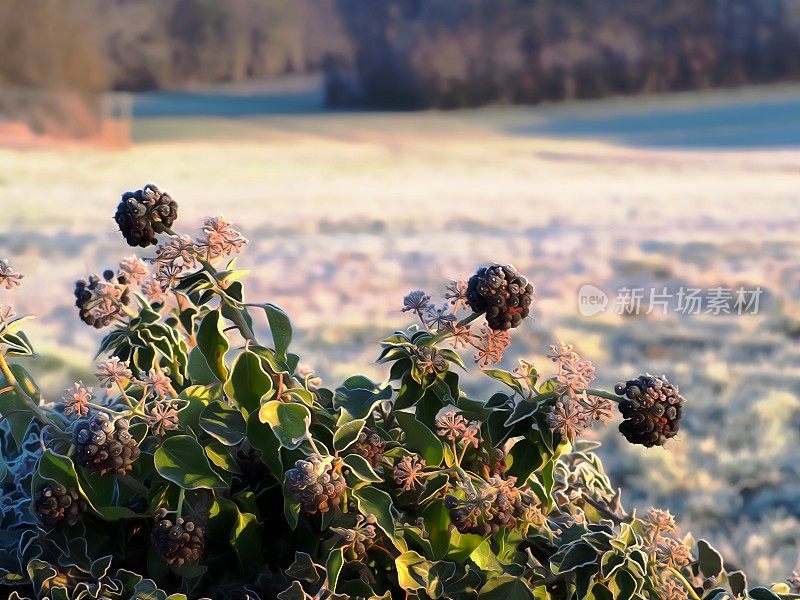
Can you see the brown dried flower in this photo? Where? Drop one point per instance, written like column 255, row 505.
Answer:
column 673, row 553
column 112, row 371
column 451, row 425
column 408, row 472
column 456, row 293
column 163, row 416
column 134, row 269
column 574, row 375
column 8, row 277
column 159, row 383
column 566, row 418
column 219, row 238
column 153, row 290
column 439, row 318
column 76, row 398
column 491, row 345
column 416, row 301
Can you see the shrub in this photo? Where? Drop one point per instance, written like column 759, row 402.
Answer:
column 212, row 465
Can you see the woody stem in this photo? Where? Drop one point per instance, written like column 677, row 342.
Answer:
column 606, row 395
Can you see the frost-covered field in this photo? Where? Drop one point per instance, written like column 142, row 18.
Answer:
column 348, row 212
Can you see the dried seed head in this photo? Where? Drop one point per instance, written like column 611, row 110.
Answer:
column 8, row 277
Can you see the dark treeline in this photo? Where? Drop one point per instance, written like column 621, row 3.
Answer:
column 440, row 53
column 95, row 45
column 404, row 54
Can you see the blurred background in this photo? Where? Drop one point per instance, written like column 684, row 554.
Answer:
column 371, row 147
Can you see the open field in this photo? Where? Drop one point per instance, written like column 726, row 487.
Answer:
column 347, row 212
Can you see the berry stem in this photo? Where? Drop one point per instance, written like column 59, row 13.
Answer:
column 181, row 497
column 101, row 408
column 606, row 395
column 125, row 396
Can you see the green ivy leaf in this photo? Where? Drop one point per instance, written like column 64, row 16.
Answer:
column 246, row 540
column 333, row 566
column 248, row 383
column 58, row 468
column 358, row 402
column 437, row 525
column 504, row 377
column 213, row 344
column 625, row 585
column 223, row 423
column 709, row 560
column 347, row 434
column 762, row 593
column 281, row 328
column 506, row 587
column 420, row 439
column 14, row 407
column 574, row 556
column 462, row 545
column 197, row 397
column 408, row 579
column 199, row 371
column 264, row 440
column 182, row 460
column 289, row 422
column 361, row 468
column 303, row 568
column 373, row 501
column 220, row 455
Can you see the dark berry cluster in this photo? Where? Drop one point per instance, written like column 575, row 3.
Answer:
column 369, row 445
column 652, row 410
column 103, row 446
column 178, row 543
column 499, row 505
column 54, row 504
column 502, row 294
column 144, row 213
column 100, row 301
column 316, row 484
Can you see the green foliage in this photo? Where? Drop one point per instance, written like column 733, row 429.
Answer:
column 280, row 488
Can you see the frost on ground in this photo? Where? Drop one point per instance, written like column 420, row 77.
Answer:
column 347, row 213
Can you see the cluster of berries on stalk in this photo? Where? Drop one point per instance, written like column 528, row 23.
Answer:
column 144, row 213
column 180, row 542
column 104, row 446
column 652, row 409
column 54, row 504
column 316, row 483
column 498, row 292
column 100, row 301
column 370, row 446
column 502, row 294
column 491, row 506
